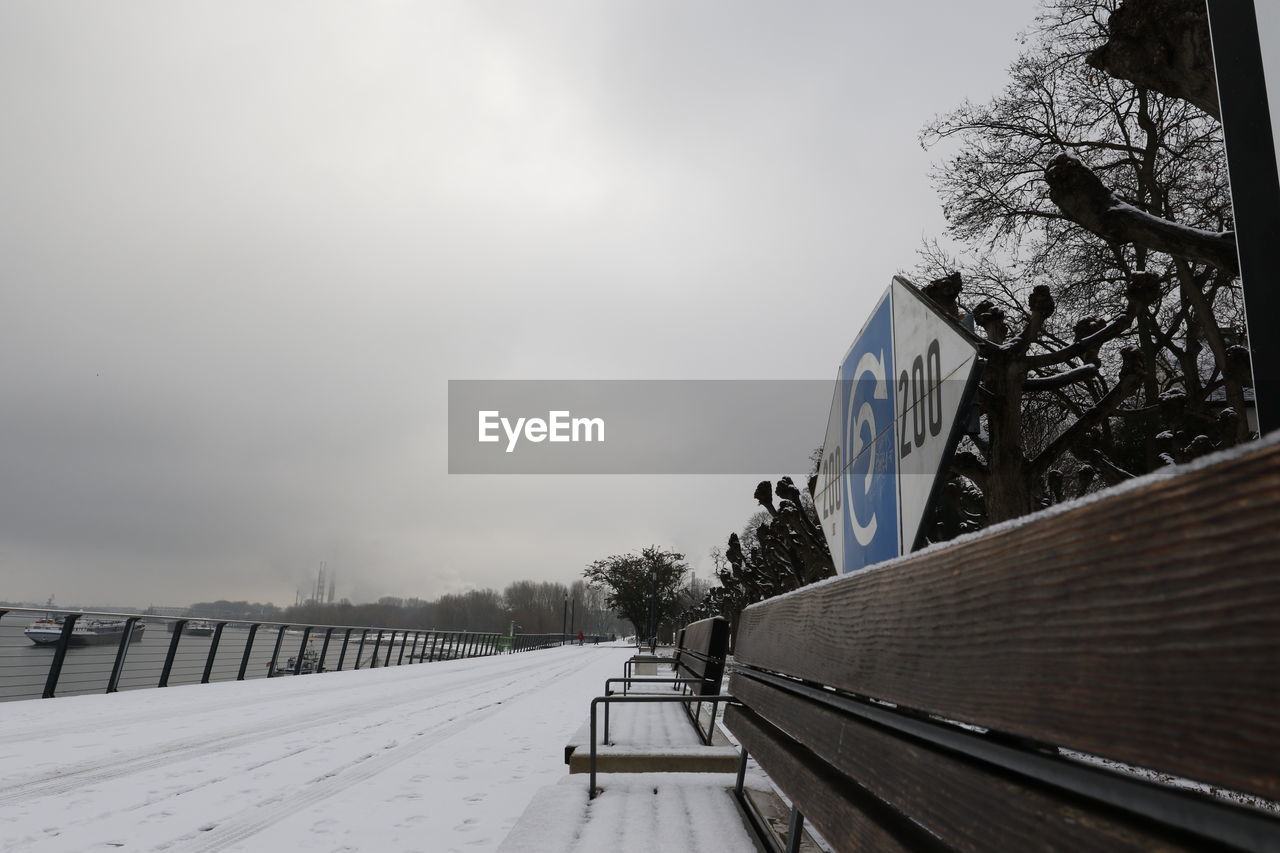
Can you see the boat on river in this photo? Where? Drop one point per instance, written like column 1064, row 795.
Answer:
column 85, row 632
column 310, row 664
column 198, row 628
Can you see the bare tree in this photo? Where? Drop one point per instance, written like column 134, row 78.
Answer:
column 1094, row 212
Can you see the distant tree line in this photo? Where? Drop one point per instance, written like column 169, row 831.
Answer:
column 535, row 608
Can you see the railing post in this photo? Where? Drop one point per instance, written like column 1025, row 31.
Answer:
column 435, row 639
column 213, row 650
column 248, row 648
column 275, row 652
column 59, row 654
column 404, row 641
column 377, row 647
column 173, row 651
column 391, row 647
column 297, row 663
column 113, row 683
column 364, row 632
column 417, row 637
column 324, row 649
column 342, row 655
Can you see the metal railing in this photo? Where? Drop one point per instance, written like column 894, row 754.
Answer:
column 77, row 652
column 529, row 642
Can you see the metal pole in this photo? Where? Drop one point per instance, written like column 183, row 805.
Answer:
column 564, row 620
column 342, row 655
column 59, row 654
column 213, row 651
column 302, row 648
column 1255, row 186
column 248, row 647
column 173, row 651
column 364, row 633
column 391, row 647
column 653, row 611
column 113, row 683
column 324, row 649
column 795, row 830
column 377, row 647
column 275, row 653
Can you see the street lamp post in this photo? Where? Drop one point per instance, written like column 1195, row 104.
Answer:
column 653, row 609
column 564, row 619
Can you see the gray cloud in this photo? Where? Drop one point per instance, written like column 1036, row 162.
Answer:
column 244, row 246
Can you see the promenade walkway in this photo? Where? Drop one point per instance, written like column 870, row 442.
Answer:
column 435, row 757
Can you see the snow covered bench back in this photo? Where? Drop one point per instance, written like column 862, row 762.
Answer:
column 1103, row 675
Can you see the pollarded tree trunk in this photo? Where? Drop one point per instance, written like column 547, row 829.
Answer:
column 1008, row 485
column 1162, row 45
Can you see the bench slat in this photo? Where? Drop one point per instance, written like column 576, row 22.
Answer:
column 822, row 797
column 1142, row 627
column 949, row 796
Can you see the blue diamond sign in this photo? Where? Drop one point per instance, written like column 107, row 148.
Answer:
column 893, row 425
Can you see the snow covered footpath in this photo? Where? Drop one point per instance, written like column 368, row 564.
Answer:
column 431, row 757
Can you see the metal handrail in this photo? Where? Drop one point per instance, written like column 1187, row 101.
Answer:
column 417, row 645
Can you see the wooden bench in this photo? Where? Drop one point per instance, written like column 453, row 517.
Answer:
column 1101, row 677
column 651, row 744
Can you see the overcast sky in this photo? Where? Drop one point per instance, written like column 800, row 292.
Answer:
column 245, row 245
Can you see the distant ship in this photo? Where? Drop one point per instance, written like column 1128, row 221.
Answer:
column 86, row 632
column 310, row 664
column 198, row 628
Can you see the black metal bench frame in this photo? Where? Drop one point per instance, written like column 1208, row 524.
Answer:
column 699, row 666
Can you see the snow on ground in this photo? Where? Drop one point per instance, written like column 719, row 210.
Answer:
column 637, row 813
column 432, row 757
